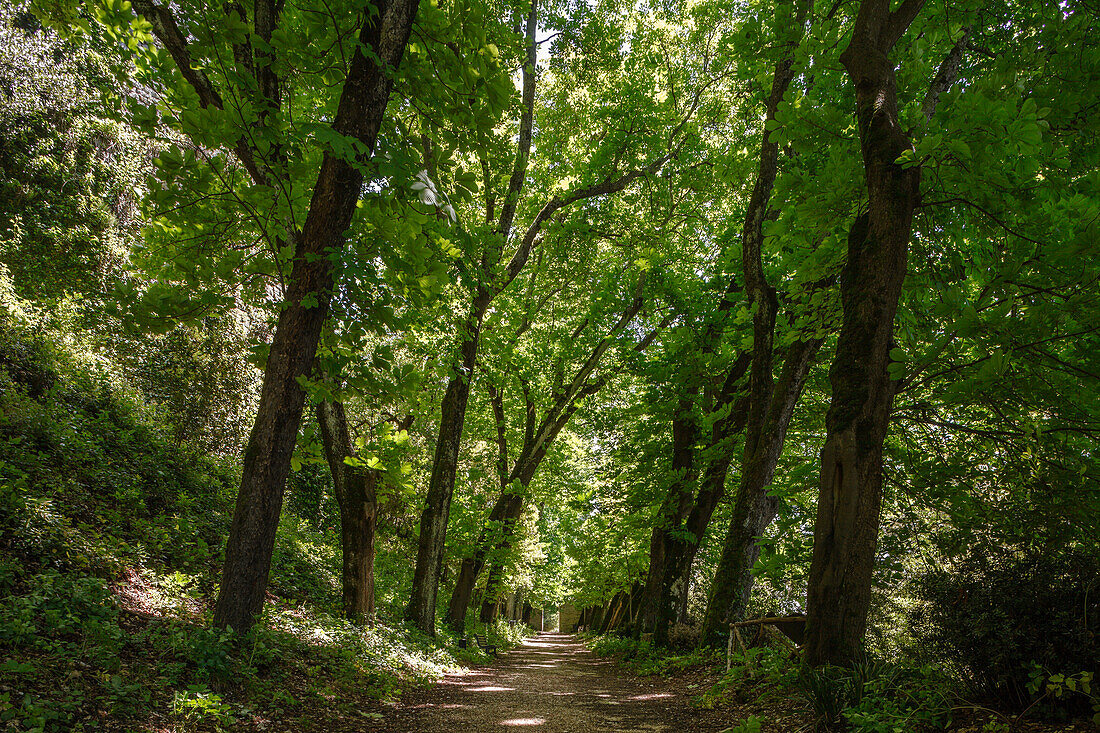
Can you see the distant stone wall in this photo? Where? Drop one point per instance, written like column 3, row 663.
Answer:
column 568, row 616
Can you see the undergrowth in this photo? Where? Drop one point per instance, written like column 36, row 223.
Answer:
column 872, row 697
column 111, row 534
column 643, row 658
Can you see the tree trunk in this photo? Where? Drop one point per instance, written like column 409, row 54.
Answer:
column 437, row 505
column 754, row 510
column 712, row 487
column 356, row 495
column 507, row 510
column 614, row 612
column 769, row 410
column 670, row 517
column 490, row 603
column 433, row 522
column 597, row 618
column 297, row 334
column 846, row 531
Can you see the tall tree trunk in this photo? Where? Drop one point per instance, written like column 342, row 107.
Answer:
column 507, row 511
column 297, row 334
column 846, row 531
column 490, row 602
column 768, row 417
column 754, row 510
column 683, row 547
column 437, row 505
column 670, row 516
column 433, row 521
column 597, row 618
column 356, row 495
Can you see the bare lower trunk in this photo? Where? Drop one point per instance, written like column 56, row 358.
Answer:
column 754, row 510
column 357, row 530
column 846, row 531
column 671, row 514
column 507, row 510
column 491, row 600
column 267, row 461
column 683, row 548
column 356, row 495
column 437, row 506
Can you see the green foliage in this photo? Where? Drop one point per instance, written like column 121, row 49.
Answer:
column 877, row 697
column 759, row 672
column 198, row 705
column 1063, row 687
column 995, row 616
column 643, row 658
column 751, row 724
column 90, row 479
column 67, row 170
column 57, row 614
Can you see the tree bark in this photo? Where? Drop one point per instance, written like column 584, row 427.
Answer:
column 769, row 409
column 270, row 445
column 846, row 532
column 356, row 495
column 754, row 510
column 683, row 547
column 437, row 505
column 670, row 516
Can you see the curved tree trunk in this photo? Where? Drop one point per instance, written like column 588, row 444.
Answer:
column 846, row 531
column 769, row 409
column 507, row 511
column 754, row 510
column 433, row 521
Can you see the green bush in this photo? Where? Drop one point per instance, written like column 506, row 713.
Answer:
column 92, row 480
column 756, row 672
column 642, row 657
column 60, row 613
column 999, row 615
column 875, row 697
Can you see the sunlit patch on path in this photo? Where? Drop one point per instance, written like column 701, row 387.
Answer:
column 551, row 684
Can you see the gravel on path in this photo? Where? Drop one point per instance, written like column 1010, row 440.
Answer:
column 550, row 684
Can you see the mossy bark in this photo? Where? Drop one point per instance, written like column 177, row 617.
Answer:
column 846, row 531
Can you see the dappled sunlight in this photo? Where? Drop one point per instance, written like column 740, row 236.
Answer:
column 523, row 722
column 554, row 683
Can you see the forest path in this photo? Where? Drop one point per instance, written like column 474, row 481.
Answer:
column 550, row 684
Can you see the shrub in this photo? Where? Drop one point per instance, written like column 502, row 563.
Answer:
column 63, row 613
column 875, row 697
column 999, row 615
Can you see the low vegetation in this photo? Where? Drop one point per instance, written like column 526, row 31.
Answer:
column 109, row 554
column 336, row 332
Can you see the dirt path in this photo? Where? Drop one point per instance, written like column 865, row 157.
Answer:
column 551, row 684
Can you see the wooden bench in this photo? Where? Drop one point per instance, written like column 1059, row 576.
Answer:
column 483, row 642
